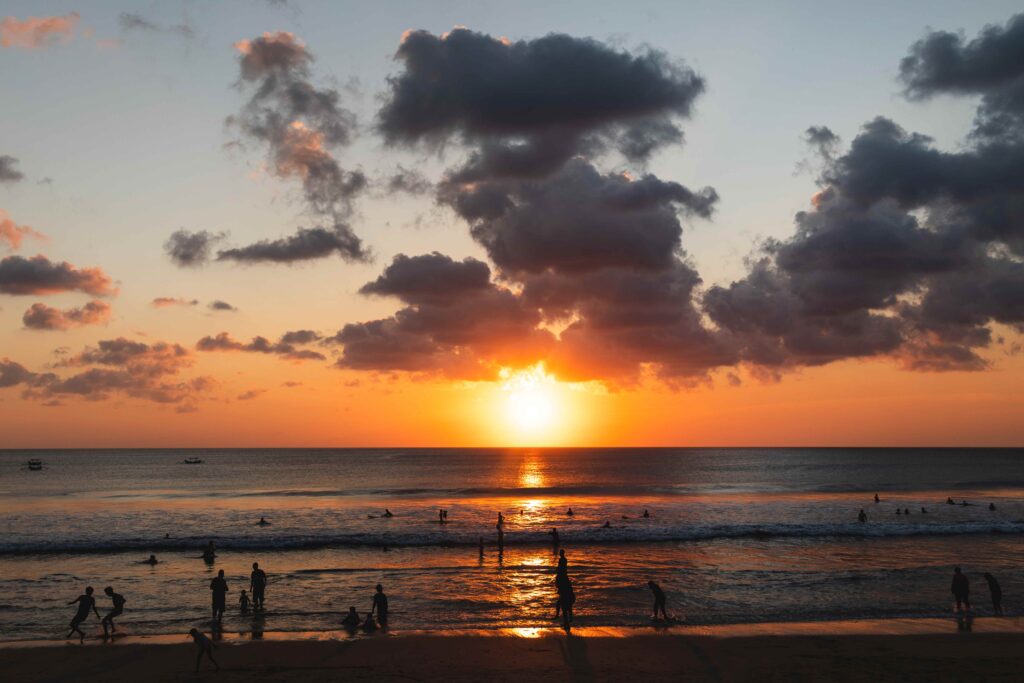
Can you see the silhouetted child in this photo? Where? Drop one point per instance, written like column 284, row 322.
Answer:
column 204, row 646
column 369, row 625
column 659, row 600
column 961, row 589
column 118, row 609
column 85, row 603
column 997, row 594
column 351, row 620
column 243, row 602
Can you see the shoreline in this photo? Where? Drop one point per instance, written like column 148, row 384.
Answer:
column 898, row 627
column 544, row 658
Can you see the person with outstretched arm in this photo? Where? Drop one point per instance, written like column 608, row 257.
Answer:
column 118, row 610
column 85, row 603
column 204, row 646
column 380, row 605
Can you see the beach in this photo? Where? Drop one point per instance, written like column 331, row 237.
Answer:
column 950, row 657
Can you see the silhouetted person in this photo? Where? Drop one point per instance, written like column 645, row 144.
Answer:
column 949, row 501
column 369, row 625
column 501, row 520
column 380, row 605
column 862, row 516
column 387, row 513
column 877, row 499
column 118, row 609
column 923, row 511
column 563, row 565
column 444, row 514
column 906, row 511
column 659, row 600
column 209, row 553
column 961, row 589
column 899, row 512
column 351, row 620
column 646, row 514
column 219, row 587
column 204, row 646
column 606, row 525
column 151, row 561
column 964, row 503
column 570, row 512
column 243, row 603
column 501, row 539
column 481, row 544
column 555, row 540
column 257, row 585
column 440, row 516
column 996, row 592
column 992, row 506
column 263, row 522
column 85, row 603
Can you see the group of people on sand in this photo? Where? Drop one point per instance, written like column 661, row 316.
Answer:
column 863, row 516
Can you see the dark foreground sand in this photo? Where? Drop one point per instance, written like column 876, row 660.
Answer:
column 967, row 657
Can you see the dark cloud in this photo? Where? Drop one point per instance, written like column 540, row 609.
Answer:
column 133, row 21
column 430, row 278
column 408, row 181
column 521, row 97
column 167, row 301
column 191, row 249
column 219, row 305
column 991, row 65
column 39, row 275
column 8, row 172
column 251, row 394
column 302, row 126
column 823, row 141
column 114, row 367
column 43, row 317
column 286, row 349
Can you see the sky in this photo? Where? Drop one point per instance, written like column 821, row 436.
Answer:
column 298, row 223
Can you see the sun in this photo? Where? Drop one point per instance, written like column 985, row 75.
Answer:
column 532, row 403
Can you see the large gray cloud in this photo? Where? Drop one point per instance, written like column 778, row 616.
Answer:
column 191, row 249
column 302, row 126
column 8, row 172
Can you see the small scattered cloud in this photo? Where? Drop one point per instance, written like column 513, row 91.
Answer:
column 13, row 234
column 169, row 301
column 8, row 172
column 219, row 305
column 43, row 317
column 134, row 21
column 38, row 32
column 251, row 394
column 192, row 249
column 282, row 348
column 38, row 275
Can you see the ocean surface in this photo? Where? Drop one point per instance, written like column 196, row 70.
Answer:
column 734, row 535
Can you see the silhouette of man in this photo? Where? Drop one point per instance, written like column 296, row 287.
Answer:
column 996, row 592
column 659, row 599
column 204, row 646
column 209, row 553
column 877, row 499
column 566, row 599
column 862, row 516
column 257, row 585
column 118, row 601
column 961, row 589
column 219, row 587
column 351, row 620
column 555, row 540
column 85, row 603
column 380, row 605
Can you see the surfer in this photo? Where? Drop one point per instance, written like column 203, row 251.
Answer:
column 659, row 600
column 118, row 609
column 387, row 513
column 85, row 603
column 151, row 561
column 204, row 646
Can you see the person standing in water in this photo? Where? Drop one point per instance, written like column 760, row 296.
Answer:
column 219, row 587
column 209, row 553
column 351, row 620
column 257, row 585
column 659, row 600
column 204, row 646
column 380, row 605
column 85, row 603
column 996, row 592
column 117, row 611
column 961, row 589
column 243, row 603
column 555, row 540
column 862, row 516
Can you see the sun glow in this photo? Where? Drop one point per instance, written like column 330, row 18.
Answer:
column 532, row 402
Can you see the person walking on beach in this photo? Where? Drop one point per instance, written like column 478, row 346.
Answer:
column 220, row 589
column 996, row 592
column 566, row 599
column 257, row 585
column 118, row 601
column 85, row 603
column 380, row 605
column 659, row 600
column 961, row 589
column 204, row 646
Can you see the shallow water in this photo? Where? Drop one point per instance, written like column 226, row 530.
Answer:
column 734, row 535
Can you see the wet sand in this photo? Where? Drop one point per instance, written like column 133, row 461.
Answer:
column 976, row 656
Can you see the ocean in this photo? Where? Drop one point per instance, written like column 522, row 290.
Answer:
column 733, row 536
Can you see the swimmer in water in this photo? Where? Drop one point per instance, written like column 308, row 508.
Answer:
column 209, row 553
column 387, row 513
column 607, row 525
column 646, row 514
column 243, row 602
column 906, row 511
column 151, row 561
column 569, row 512
column 992, row 506
column 263, row 522
column 899, row 512
column 351, row 620
column 949, row 501
column 877, row 499
column 861, row 516
column 923, row 511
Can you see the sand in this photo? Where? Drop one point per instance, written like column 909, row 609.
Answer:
column 548, row 657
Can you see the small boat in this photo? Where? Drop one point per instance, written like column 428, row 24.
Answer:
column 35, row 464
column 193, row 461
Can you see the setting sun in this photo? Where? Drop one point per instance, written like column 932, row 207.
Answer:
column 532, row 407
